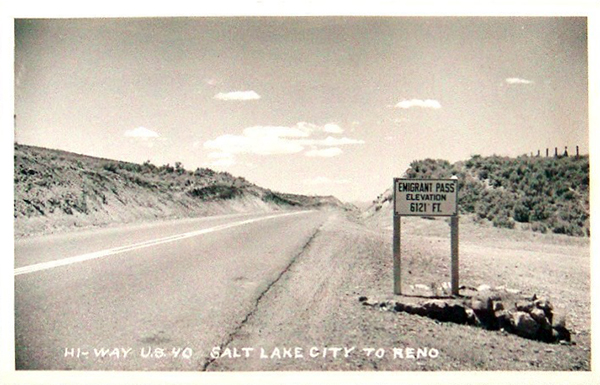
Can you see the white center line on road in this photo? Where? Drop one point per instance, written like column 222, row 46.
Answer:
column 154, row 242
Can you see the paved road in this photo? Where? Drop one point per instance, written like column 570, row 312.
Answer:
column 149, row 297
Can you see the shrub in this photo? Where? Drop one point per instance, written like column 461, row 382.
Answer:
column 112, row 167
column 521, row 213
column 504, row 221
column 215, row 192
column 553, row 193
column 271, row 197
column 166, row 169
column 179, row 168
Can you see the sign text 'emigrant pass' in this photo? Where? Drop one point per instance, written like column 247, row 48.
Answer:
column 425, row 197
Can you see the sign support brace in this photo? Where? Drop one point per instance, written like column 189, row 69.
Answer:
column 396, row 252
column 454, row 247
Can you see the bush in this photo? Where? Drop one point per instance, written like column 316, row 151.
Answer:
column 215, row 192
column 539, row 227
column 521, row 213
column 552, row 192
column 504, row 221
column 112, row 167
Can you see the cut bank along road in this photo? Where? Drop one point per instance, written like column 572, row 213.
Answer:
column 154, row 297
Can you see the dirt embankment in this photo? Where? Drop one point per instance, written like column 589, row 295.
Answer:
column 57, row 190
column 312, row 319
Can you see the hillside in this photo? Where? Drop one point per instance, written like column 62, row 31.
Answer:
column 535, row 193
column 59, row 190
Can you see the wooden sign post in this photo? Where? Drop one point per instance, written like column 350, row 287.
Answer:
column 425, row 198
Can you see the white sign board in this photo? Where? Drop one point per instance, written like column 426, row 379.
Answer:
column 425, row 197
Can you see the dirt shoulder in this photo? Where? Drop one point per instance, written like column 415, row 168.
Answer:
column 311, row 319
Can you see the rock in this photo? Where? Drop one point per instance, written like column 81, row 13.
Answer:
column 481, row 304
column 362, row 299
column 497, row 306
column 512, row 291
column 435, row 306
column 472, row 318
column 369, row 303
column 525, row 306
column 561, row 334
column 436, row 309
column 545, row 330
column 559, row 329
column 543, row 304
column 445, row 312
column 414, row 309
column 540, row 317
column 503, row 320
column 546, row 306
column 559, row 322
column 457, row 314
column 495, row 296
column 484, row 288
column 524, row 325
column 399, row 306
column 447, row 287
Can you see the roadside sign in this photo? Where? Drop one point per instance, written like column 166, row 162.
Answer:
column 425, row 197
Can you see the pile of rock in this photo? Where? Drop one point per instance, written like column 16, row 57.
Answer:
column 528, row 317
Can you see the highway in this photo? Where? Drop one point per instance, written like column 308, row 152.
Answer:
column 156, row 296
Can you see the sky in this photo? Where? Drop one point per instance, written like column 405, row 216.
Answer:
column 312, row 105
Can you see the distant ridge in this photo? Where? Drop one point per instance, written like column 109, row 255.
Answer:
column 544, row 194
column 59, row 190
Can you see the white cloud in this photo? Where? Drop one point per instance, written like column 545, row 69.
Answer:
column 307, row 126
column 320, row 180
column 237, row 95
column 324, row 153
column 259, row 145
column 276, row 140
column 333, row 128
column 518, row 81
column 428, row 103
column 276, row 131
column 141, row 132
column 331, row 141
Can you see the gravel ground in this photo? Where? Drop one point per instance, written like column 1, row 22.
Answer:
column 311, row 319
